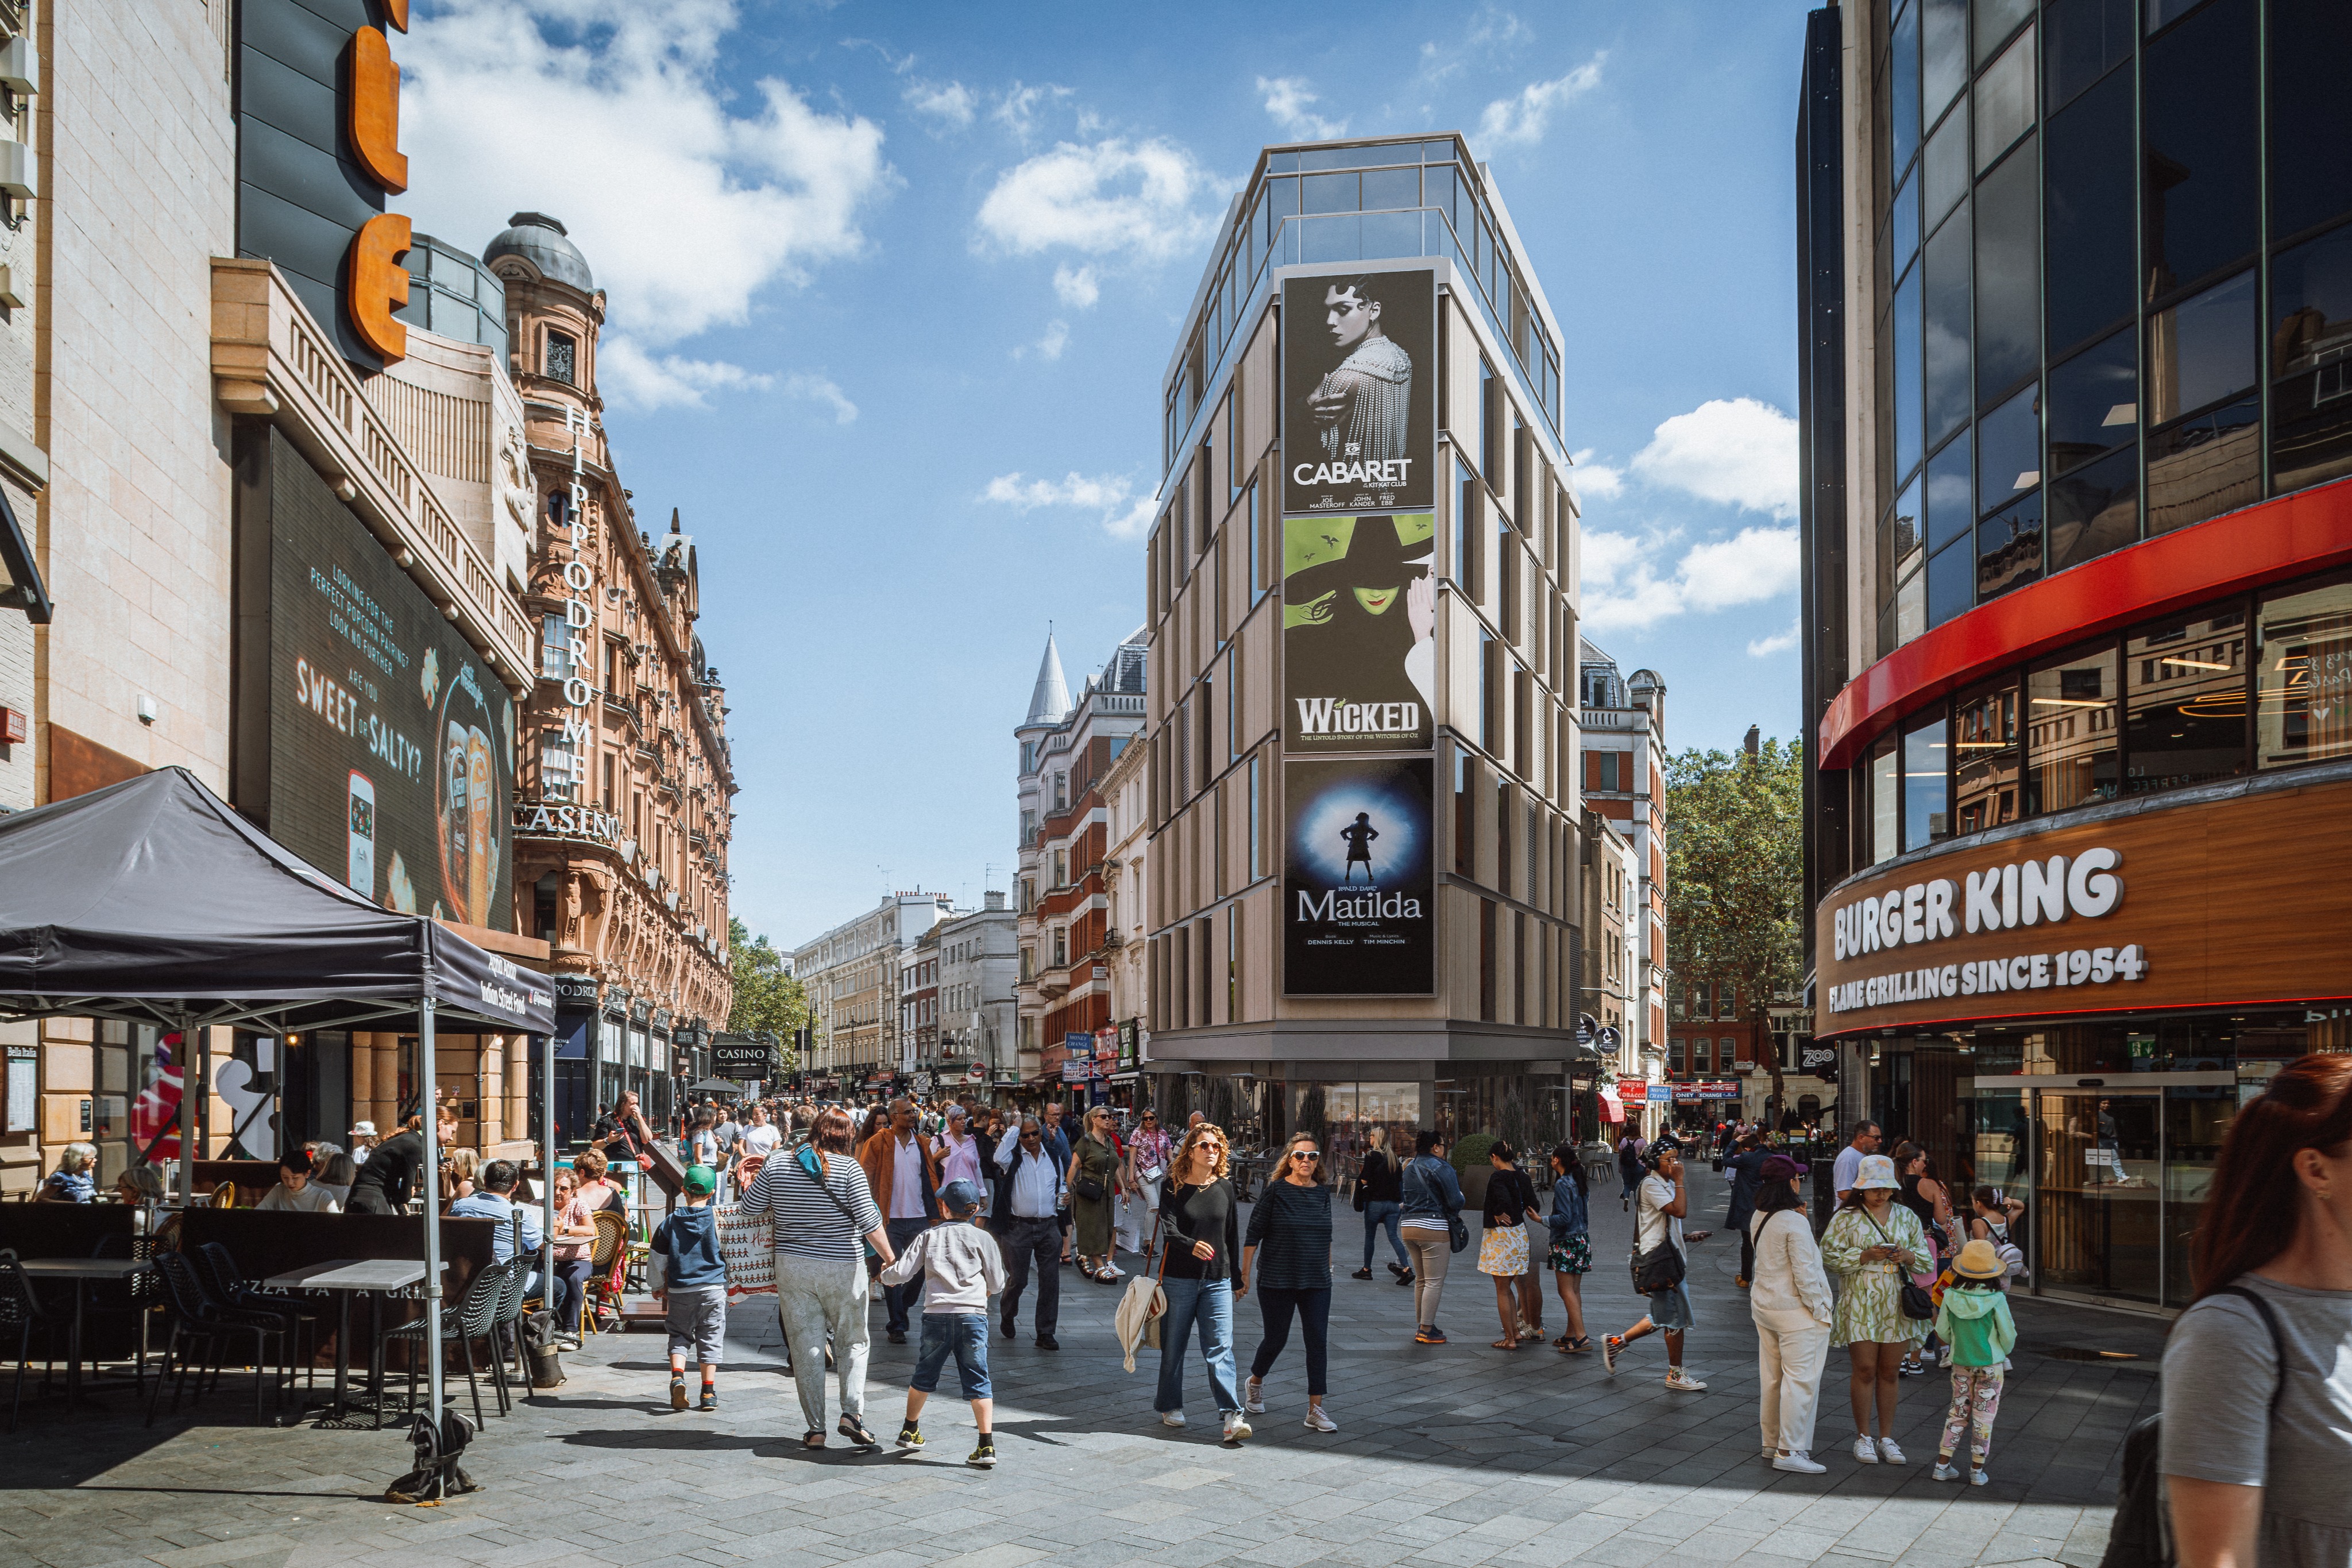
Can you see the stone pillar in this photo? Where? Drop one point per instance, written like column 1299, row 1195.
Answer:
column 363, row 1074
column 519, row 1088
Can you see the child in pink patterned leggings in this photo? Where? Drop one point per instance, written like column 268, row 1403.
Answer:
column 1975, row 1320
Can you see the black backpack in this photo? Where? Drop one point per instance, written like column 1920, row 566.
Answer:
column 2142, row 1534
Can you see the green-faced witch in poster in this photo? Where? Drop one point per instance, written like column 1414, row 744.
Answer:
column 1358, row 614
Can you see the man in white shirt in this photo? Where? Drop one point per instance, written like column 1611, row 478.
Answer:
column 1027, row 1227
column 1848, row 1160
column 759, row 1138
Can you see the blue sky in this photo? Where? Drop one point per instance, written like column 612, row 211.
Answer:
column 892, row 290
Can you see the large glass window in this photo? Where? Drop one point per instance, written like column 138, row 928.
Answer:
column 2070, row 729
column 2305, row 660
column 1943, row 53
column 1945, row 170
column 2198, row 123
column 1951, row 583
column 2009, row 274
column 2311, row 361
column 2004, row 101
column 2088, row 197
column 1925, row 750
column 1909, row 435
column 2008, row 549
column 2009, row 450
column 2311, row 114
column 2093, row 402
column 2198, row 351
column 1885, row 800
column 2185, row 706
column 1996, row 19
column 1952, row 501
column 2202, row 350
column 1946, row 291
column 1985, row 756
column 2082, row 41
column 1903, row 225
column 1903, row 91
column 2095, row 510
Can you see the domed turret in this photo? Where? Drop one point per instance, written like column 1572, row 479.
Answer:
column 540, row 241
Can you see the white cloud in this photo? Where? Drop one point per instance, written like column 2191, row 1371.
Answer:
column 1050, row 346
column 1017, row 106
column 1595, row 481
column 1078, row 290
column 951, row 103
column 1633, row 582
column 632, row 378
column 1778, row 642
column 1125, row 514
column 688, row 200
column 820, row 389
column 1736, row 451
column 1112, row 198
column 1291, row 102
column 1522, row 120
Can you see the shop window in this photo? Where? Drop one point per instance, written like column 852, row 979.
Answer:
column 1885, row 801
column 2008, row 549
column 2305, row 660
column 2310, row 113
column 2185, row 703
column 2094, row 403
column 2311, row 362
column 2009, row 450
column 1944, row 172
column 1926, row 751
column 2004, row 101
column 2199, row 129
column 1985, row 757
column 2009, row 273
column 2095, row 510
column 1909, row 430
column 2205, row 465
column 2082, row 40
column 1945, row 343
column 1943, row 53
column 2088, row 201
column 1951, row 583
column 1903, row 225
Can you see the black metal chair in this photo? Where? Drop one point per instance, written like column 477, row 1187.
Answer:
column 132, row 1301
column 203, row 1331
column 474, row 1318
column 506, row 1332
column 227, row 1284
column 20, row 1309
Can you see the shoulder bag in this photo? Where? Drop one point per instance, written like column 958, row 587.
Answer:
column 1915, row 1302
column 1087, row 1187
column 1363, row 1177
column 808, row 1164
column 1661, row 1267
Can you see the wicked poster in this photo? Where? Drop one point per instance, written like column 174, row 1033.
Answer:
column 1359, row 905
column 1359, row 392
column 1359, row 657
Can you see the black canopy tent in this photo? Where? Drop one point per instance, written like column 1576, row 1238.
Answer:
column 152, row 902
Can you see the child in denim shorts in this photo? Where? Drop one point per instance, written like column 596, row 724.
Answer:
column 961, row 1268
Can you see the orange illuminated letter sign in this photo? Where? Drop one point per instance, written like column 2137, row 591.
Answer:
column 379, row 284
column 375, row 109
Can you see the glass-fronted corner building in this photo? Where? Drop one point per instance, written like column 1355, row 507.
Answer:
column 2076, row 406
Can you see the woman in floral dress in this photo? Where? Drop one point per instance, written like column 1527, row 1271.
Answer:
column 1873, row 1243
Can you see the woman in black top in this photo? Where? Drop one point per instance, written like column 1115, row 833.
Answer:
column 393, row 1172
column 1202, row 1271
column 1379, row 1191
column 1926, row 1196
column 1503, row 1254
column 1292, row 1223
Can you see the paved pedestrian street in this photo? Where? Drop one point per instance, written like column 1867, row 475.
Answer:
column 1457, row 1455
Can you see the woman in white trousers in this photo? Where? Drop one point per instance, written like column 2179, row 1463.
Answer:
column 1790, row 1299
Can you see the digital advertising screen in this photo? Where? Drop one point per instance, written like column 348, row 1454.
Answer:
column 1358, row 623
column 1360, row 392
column 1359, row 884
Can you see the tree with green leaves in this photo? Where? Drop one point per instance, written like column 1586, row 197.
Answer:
column 1735, row 875
column 768, row 998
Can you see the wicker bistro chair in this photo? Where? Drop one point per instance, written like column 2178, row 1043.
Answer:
column 20, row 1309
column 474, row 1318
column 203, row 1329
column 603, row 1260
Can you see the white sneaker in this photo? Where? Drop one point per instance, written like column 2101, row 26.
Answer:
column 1171, row 1418
column 1865, row 1452
column 1253, row 1397
column 1890, row 1452
column 1682, row 1382
column 1979, row 1477
column 1237, row 1426
column 1318, row 1422
column 1795, row 1461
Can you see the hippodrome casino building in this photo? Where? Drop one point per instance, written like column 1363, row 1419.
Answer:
column 2076, row 404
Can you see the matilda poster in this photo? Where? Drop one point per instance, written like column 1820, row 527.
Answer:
column 1358, row 614
column 1360, row 896
column 1360, row 392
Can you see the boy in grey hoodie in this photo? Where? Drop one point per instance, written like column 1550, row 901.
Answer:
column 689, row 1277
column 961, row 1268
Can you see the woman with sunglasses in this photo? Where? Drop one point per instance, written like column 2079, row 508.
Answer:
column 1203, row 1272
column 1292, row 1221
column 1147, row 1154
column 1094, row 1182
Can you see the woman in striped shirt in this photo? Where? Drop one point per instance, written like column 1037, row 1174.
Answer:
column 822, row 1218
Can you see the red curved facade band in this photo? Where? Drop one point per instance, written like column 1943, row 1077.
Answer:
column 2301, row 532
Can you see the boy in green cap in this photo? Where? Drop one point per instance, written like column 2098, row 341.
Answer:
column 689, row 1277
